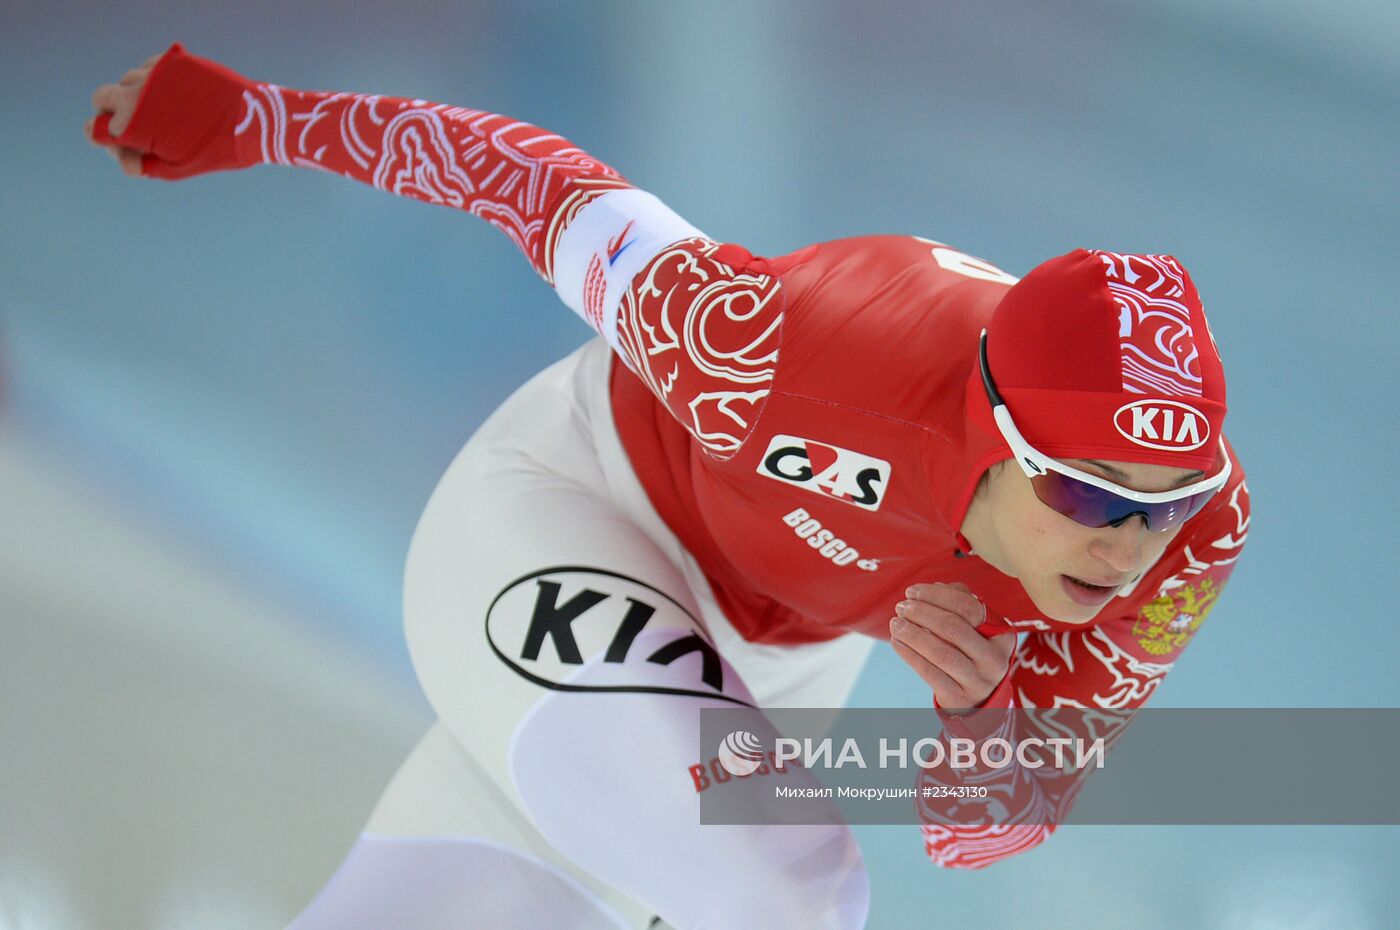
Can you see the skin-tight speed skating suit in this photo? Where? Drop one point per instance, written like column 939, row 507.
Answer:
column 718, row 503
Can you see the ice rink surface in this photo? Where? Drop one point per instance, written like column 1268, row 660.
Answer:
column 178, row 752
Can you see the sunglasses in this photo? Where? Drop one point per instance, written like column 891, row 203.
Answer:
column 1088, row 499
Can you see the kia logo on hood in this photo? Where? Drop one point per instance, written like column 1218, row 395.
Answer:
column 1162, row 424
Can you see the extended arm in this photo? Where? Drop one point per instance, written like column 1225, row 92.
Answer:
column 688, row 315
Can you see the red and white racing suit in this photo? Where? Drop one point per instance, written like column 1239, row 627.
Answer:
column 774, row 449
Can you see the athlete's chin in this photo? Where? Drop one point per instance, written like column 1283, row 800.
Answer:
column 1051, row 601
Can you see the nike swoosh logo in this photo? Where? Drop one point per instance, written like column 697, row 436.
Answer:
column 612, row 259
column 615, row 247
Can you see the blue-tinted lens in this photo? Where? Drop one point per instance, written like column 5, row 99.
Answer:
column 1094, row 506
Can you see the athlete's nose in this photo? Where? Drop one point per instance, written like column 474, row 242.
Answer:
column 1121, row 546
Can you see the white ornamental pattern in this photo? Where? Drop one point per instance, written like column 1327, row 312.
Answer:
column 513, row 175
column 701, row 335
column 704, row 339
column 1108, row 670
column 1216, row 552
column 1158, row 344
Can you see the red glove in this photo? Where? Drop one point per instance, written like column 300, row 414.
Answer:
column 185, row 119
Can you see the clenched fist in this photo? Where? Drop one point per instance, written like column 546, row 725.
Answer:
column 176, row 116
column 119, row 101
column 934, row 630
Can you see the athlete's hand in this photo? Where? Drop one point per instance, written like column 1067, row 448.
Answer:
column 934, row 630
column 119, row 102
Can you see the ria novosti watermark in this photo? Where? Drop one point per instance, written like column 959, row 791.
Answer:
column 741, row 753
column 1048, row 766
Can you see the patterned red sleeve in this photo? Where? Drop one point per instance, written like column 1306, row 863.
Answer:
column 704, row 338
column 702, row 335
column 1117, row 666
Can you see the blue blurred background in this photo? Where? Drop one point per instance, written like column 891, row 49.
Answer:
column 225, row 401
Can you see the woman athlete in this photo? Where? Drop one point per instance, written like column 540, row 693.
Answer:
column 763, row 466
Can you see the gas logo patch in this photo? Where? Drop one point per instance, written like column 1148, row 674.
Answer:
column 827, row 470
